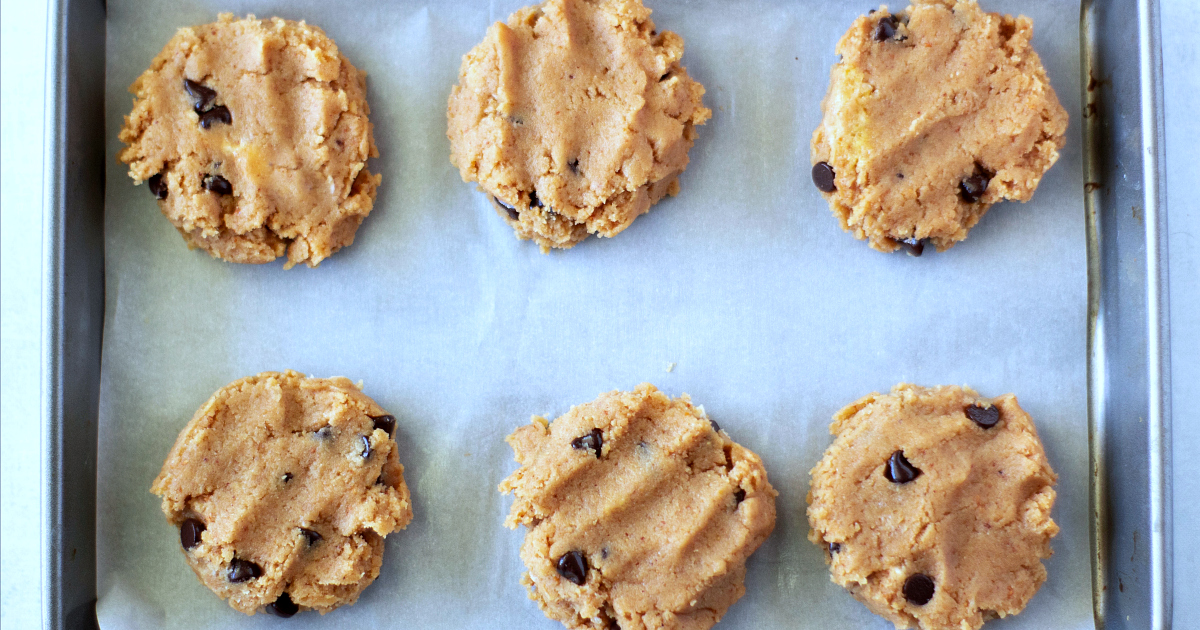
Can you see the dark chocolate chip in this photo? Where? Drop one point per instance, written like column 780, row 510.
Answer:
column 202, row 96
column 310, row 536
column 664, row 77
column 739, row 495
column 899, row 470
column 217, row 184
column 574, row 166
column 385, row 422
column 287, row 477
column 834, row 548
column 366, row 452
column 822, row 176
column 283, row 607
column 573, row 566
column 971, row 189
column 158, row 187
column 324, row 433
column 243, row 571
column 189, row 533
column 918, row 589
column 592, row 441
column 218, row 114
column 913, row 246
column 604, row 552
column 716, row 427
column 512, row 212
column 885, row 29
column 534, row 202
column 986, row 417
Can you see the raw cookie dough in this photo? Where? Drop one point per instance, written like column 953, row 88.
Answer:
column 574, row 117
column 933, row 115
column 283, row 488
column 933, row 506
column 253, row 134
column 640, row 513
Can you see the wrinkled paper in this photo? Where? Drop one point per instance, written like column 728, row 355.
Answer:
column 770, row 315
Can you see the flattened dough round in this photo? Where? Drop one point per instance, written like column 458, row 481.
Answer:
column 975, row 520
column 298, row 476
column 265, row 152
column 575, row 117
column 656, row 504
column 933, row 115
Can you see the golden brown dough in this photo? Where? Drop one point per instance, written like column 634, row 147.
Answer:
column 575, row 116
column 933, row 115
column 264, row 152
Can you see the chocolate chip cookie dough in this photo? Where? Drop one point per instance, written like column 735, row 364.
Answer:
column 253, row 136
column 574, row 117
column 933, row 114
column 283, row 488
column 933, row 506
column 640, row 513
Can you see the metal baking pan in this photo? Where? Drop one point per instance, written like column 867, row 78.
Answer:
column 1128, row 380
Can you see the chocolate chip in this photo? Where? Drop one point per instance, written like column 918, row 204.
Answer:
column 574, row 166
column 512, row 212
column 971, row 189
column 593, row 441
column 604, row 552
column 913, row 246
column 243, row 571
column 283, row 607
column 573, row 566
column 218, row 114
column 202, row 96
column 822, row 176
column 899, row 470
column 986, row 417
column 217, row 184
column 287, row 477
column 739, row 495
column 534, row 202
column 664, row 77
column 885, row 29
column 189, row 533
column 385, row 422
column 158, row 187
column 834, row 548
column 716, row 427
column 324, row 433
column 310, row 536
column 918, row 589
column 366, row 452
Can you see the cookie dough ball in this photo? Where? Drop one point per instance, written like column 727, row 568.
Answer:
column 640, row 513
column 933, row 115
column 933, row 506
column 574, row 117
column 283, row 488
column 253, row 135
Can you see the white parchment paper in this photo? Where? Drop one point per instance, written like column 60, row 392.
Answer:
column 772, row 316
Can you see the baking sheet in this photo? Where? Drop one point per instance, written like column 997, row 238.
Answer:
column 772, row 317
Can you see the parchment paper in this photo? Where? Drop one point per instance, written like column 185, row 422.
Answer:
column 772, row 316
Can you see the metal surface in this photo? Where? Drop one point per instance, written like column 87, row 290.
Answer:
column 72, row 309
column 1128, row 379
column 1129, row 386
